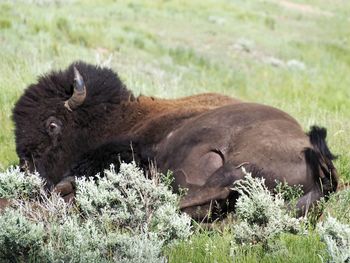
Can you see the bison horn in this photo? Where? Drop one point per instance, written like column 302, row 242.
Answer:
column 79, row 93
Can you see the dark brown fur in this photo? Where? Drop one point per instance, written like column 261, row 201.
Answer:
column 203, row 139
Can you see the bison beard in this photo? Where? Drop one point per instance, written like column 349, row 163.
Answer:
column 97, row 160
column 77, row 122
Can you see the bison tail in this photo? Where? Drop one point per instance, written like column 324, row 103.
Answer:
column 317, row 137
column 320, row 158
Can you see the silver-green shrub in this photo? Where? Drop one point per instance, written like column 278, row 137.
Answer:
column 15, row 184
column 122, row 217
column 138, row 248
column 338, row 206
column 76, row 241
column 337, row 238
column 261, row 215
column 20, row 239
column 130, row 199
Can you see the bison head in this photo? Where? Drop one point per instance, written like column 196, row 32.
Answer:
column 56, row 118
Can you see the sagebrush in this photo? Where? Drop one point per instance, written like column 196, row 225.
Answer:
column 337, row 238
column 122, row 217
column 262, row 215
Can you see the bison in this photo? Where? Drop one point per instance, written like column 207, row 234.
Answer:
column 77, row 122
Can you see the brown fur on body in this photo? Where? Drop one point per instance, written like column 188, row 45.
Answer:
column 203, row 139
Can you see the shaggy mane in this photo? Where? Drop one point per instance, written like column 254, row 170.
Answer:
column 103, row 87
column 102, row 84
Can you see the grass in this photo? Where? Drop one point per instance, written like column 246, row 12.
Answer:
column 176, row 48
column 212, row 246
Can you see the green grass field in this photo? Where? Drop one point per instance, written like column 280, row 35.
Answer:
column 294, row 55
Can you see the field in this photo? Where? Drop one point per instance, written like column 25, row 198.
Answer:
column 294, row 55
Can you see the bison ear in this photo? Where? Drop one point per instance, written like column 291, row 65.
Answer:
column 79, row 93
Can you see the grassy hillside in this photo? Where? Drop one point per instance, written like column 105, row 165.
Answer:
column 294, row 55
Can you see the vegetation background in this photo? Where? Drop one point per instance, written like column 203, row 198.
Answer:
column 294, row 55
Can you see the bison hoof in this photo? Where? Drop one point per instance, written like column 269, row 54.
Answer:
column 66, row 188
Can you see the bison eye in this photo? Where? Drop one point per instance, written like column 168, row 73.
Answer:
column 53, row 126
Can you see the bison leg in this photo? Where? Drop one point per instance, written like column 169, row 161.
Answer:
column 307, row 201
column 200, row 199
